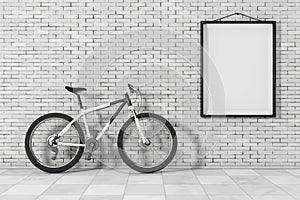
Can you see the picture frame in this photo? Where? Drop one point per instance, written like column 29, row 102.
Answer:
column 238, row 68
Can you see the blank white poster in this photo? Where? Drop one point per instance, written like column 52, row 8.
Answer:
column 241, row 56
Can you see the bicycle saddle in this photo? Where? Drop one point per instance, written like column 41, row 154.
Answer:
column 75, row 90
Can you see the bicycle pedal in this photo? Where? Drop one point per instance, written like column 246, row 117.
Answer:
column 88, row 156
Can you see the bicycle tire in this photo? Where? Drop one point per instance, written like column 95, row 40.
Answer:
column 132, row 164
column 31, row 154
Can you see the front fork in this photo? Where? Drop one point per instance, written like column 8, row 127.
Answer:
column 143, row 138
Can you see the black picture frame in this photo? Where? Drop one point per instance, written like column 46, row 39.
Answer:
column 273, row 113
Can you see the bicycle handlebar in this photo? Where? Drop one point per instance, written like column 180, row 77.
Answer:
column 137, row 91
column 132, row 89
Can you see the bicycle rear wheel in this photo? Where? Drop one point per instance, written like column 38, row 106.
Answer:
column 147, row 158
column 53, row 159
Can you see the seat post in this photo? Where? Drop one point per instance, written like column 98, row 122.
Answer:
column 79, row 101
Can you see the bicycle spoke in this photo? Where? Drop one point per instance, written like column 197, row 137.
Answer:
column 45, row 155
column 151, row 155
column 47, row 126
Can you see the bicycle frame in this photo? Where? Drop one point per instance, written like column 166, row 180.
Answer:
column 84, row 112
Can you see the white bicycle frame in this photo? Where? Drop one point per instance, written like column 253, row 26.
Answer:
column 83, row 112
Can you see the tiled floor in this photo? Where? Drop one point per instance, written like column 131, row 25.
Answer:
column 169, row 184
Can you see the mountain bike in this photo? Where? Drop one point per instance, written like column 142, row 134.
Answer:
column 55, row 141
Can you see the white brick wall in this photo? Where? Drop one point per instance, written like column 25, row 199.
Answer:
column 45, row 45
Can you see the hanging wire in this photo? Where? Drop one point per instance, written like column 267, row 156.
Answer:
column 237, row 13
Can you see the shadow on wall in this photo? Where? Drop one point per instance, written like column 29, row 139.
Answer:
column 168, row 75
column 279, row 78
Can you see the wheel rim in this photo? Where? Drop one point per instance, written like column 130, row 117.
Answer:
column 43, row 153
column 147, row 156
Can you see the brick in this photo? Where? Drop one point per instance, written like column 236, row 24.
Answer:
column 102, row 46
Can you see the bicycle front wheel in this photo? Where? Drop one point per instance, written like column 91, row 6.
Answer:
column 57, row 158
column 154, row 156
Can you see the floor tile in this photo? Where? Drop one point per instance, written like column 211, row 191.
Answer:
column 26, row 190
column 38, row 172
column 39, row 180
column 19, row 172
column 111, row 172
column 295, row 172
column 291, row 189
column 215, row 180
column 60, row 189
column 105, row 190
column 170, row 171
column 100, row 197
column 284, row 179
column 4, row 187
column 272, row 172
column 133, row 172
column 254, row 180
column 272, row 197
column 11, row 179
column 262, row 189
column 188, row 197
column 59, row 197
column 180, row 179
column 230, row 197
column 145, row 179
column 75, row 180
column 146, row 189
column 109, row 180
column 225, row 189
column 241, row 172
column 18, row 197
column 209, row 172
column 169, row 184
column 296, row 197
column 82, row 172
column 144, row 197
column 184, row 189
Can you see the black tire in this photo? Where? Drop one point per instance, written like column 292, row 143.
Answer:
column 31, row 155
column 129, row 161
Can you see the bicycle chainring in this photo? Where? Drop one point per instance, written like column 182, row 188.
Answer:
column 92, row 144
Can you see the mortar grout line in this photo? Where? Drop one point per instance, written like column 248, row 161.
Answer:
column 201, row 185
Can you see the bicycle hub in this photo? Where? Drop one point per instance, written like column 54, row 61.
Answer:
column 51, row 141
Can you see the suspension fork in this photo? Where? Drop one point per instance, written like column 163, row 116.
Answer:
column 136, row 120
